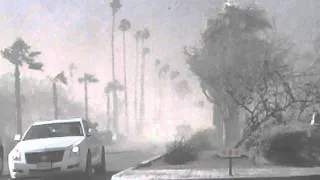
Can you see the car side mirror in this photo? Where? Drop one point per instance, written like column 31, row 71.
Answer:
column 17, row 137
column 89, row 132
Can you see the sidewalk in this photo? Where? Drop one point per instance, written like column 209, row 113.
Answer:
column 239, row 173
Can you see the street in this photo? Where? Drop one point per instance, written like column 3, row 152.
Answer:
column 118, row 161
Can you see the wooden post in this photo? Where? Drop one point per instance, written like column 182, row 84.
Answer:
column 230, row 166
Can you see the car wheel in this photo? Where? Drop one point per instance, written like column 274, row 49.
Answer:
column 88, row 171
column 102, row 167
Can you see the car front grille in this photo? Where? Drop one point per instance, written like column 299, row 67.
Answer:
column 48, row 156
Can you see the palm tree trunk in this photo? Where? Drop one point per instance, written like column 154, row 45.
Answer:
column 125, row 82
column 86, row 100
column 156, row 101
column 160, row 103
column 142, row 103
column 136, row 79
column 115, row 103
column 55, row 99
column 108, row 112
column 18, row 98
column 71, row 84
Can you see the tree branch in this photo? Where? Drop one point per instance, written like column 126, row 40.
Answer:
column 204, row 91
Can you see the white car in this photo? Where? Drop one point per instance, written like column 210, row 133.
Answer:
column 55, row 148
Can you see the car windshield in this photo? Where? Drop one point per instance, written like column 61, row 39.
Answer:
column 54, row 130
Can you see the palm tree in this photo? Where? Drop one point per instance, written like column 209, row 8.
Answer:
column 163, row 70
column 137, row 37
column 110, row 87
column 19, row 54
column 145, row 34
column 107, row 91
column 145, row 51
column 72, row 68
column 124, row 27
column 115, row 5
column 58, row 78
column 86, row 79
column 156, row 91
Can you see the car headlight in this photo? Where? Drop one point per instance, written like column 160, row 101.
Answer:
column 16, row 155
column 75, row 150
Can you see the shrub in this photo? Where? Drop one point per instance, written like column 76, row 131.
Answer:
column 180, row 152
column 202, row 140
column 290, row 145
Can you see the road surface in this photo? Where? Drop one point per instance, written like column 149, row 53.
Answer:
column 118, row 161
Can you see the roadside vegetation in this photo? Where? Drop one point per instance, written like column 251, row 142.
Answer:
column 187, row 149
column 295, row 144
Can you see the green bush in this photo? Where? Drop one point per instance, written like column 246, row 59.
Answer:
column 202, row 140
column 180, row 152
column 290, row 145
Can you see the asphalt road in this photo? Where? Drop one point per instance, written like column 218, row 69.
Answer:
column 118, row 161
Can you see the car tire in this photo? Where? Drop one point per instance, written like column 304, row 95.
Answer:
column 102, row 167
column 87, row 174
column 88, row 170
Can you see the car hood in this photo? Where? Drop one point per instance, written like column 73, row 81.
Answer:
column 48, row 143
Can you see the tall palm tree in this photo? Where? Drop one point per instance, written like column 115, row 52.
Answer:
column 62, row 79
column 86, row 79
column 156, row 91
column 163, row 70
column 125, row 25
column 145, row 34
column 136, row 76
column 72, row 68
column 115, row 5
column 110, row 87
column 19, row 54
column 145, row 51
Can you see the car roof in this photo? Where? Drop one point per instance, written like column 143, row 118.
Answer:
column 58, row 121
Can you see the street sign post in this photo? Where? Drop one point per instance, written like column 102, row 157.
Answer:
column 230, row 154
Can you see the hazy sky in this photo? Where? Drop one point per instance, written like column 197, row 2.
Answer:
column 79, row 31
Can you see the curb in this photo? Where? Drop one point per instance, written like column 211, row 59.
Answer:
column 149, row 162
column 120, row 151
column 145, row 163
